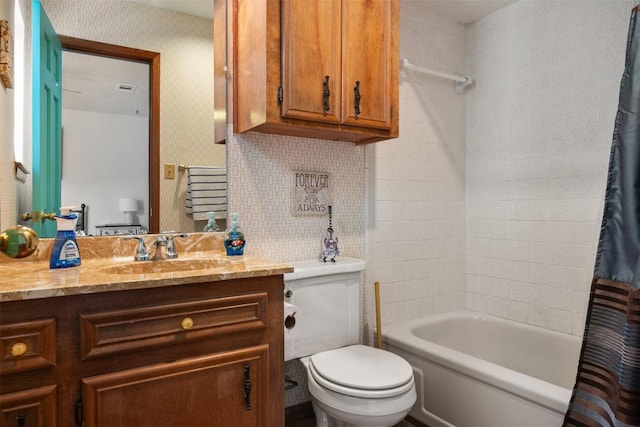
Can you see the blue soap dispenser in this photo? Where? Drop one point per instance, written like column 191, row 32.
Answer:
column 234, row 240
column 65, row 251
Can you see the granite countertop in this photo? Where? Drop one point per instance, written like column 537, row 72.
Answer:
column 108, row 265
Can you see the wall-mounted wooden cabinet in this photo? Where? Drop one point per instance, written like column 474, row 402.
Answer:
column 316, row 68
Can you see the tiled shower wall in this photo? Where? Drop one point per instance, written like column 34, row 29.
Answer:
column 539, row 128
column 517, row 207
column 416, row 183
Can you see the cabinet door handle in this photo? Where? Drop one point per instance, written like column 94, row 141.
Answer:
column 20, row 420
column 356, row 98
column 247, row 387
column 326, row 93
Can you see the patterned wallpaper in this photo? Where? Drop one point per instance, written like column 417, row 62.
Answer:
column 186, row 89
column 260, row 184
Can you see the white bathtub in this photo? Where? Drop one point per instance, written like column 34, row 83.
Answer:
column 474, row 370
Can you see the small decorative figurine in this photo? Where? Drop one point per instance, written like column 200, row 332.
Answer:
column 330, row 250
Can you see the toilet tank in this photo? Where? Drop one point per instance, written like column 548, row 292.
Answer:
column 326, row 299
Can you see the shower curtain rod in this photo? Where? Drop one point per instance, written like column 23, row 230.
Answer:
column 461, row 82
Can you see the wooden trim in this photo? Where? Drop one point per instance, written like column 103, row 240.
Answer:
column 220, row 81
column 153, row 59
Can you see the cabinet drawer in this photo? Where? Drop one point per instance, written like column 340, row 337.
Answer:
column 25, row 346
column 33, row 407
column 170, row 324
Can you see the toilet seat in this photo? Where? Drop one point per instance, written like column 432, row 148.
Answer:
column 362, row 371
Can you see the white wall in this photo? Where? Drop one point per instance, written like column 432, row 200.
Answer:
column 101, row 154
column 416, row 184
column 539, row 128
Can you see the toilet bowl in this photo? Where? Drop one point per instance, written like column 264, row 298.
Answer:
column 359, row 386
column 350, row 384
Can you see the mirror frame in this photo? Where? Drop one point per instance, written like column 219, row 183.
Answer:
column 153, row 59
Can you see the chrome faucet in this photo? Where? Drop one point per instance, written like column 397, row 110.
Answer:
column 166, row 241
column 163, row 240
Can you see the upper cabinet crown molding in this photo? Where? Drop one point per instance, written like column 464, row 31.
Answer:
column 317, row 69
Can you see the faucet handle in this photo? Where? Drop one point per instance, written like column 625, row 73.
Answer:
column 171, row 248
column 141, row 252
column 161, row 240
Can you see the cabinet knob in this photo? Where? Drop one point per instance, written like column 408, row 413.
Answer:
column 187, row 323
column 18, row 349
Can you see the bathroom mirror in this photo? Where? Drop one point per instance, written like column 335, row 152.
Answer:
column 186, row 88
column 110, row 97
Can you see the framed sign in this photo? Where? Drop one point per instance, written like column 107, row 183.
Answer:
column 310, row 194
column 6, row 55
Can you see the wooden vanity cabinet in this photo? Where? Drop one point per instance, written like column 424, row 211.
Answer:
column 317, row 68
column 203, row 354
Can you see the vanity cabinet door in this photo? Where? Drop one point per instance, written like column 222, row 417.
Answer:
column 224, row 389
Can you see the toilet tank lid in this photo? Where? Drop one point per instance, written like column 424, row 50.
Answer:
column 315, row 268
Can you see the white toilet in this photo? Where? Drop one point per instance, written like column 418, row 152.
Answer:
column 350, row 384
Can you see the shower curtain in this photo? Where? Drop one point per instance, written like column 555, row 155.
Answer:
column 607, row 389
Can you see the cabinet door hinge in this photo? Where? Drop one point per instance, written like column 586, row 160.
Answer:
column 280, row 95
column 77, row 413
